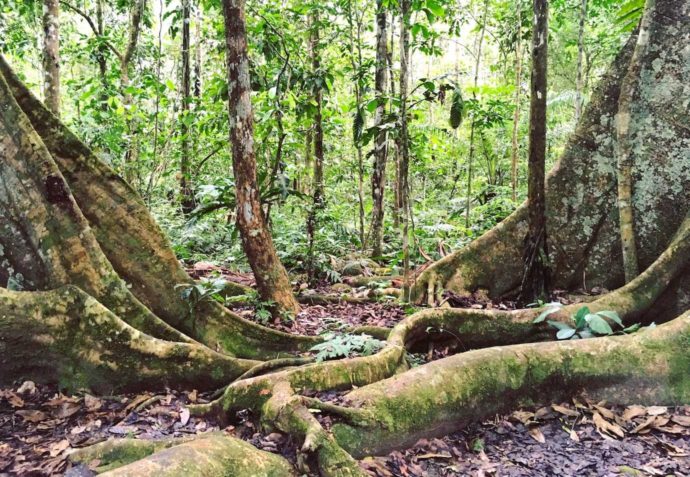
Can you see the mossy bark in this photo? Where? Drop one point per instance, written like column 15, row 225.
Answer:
column 214, row 455
column 133, row 244
column 581, row 195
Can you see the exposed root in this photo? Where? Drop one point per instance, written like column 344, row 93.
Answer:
column 83, row 345
column 212, row 455
column 287, row 411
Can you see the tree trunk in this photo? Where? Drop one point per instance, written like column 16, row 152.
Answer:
column 378, row 178
column 473, row 127
column 186, row 189
column 535, row 282
column 580, row 62
column 51, row 55
column 318, row 195
column 515, row 152
column 271, row 278
column 624, row 146
column 404, row 211
column 132, row 153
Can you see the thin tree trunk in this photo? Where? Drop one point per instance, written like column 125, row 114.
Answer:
column 580, row 62
column 132, row 154
column 318, row 191
column 397, row 207
column 515, row 155
column 186, row 191
column 404, row 142
column 356, row 66
column 271, row 278
column 535, row 277
column 51, row 55
column 624, row 148
column 378, row 179
column 477, row 64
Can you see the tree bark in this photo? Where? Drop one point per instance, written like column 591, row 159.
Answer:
column 404, row 212
column 186, row 189
column 515, row 152
column 51, row 55
column 132, row 153
column 579, row 87
column 625, row 144
column 271, row 278
column 535, row 282
column 318, row 193
column 378, row 178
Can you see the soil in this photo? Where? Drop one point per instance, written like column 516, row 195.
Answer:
column 39, row 427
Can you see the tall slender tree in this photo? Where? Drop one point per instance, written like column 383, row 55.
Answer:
column 405, row 6
column 51, row 55
column 271, row 278
column 318, row 196
column 378, row 178
column 580, row 61
column 515, row 153
column 535, row 276
column 186, row 191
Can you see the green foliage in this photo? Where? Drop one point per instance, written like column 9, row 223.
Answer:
column 586, row 324
column 345, row 345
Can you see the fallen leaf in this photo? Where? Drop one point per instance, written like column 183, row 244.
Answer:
column 564, row 410
column 32, row 415
column 92, row 403
column 66, row 409
column 443, row 455
column 136, row 401
column 184, row 416
column 607, row 427
column 608, row 414
column 537, row 435
column 656, row 410
column 631, row 412
column 57, row 448
column 27, row 387
column 523, row 416
column 192, row 396
column 573, row 436
column 681, row 420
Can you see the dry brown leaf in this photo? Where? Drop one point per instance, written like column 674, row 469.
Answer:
column 66, row 409
column 523, row 416
column 442, row 455
column 92, row 403
column 192, row 396
column 565, row 410
column 537, row 435
column 57, row 448
column 136, row 401
column 645, row 426
column 607, row 413
column 573, row 436
column 656, row 410
column 631, row 412
column 32, row 415
column 607, row 427
column 681, row 420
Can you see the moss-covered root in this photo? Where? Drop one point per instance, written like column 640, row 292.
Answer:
column 127, row 239
column 287, row 412
column 68, row 337
column 651, row 366
column 115, row 453
column 213, row 455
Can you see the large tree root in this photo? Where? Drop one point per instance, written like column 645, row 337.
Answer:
column 652, row 366
column 122, row 237
column 581, row 195
column 66, row 336
column 212, row 455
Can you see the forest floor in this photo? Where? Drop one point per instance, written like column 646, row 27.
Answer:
column 40, row 426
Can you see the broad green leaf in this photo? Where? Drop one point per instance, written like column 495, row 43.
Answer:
column 599, row 325
column 547, row 312
column 565, row 333
column 611, row 315
column 580, row 317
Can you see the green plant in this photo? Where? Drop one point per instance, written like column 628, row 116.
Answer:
column 587, row 324
column 202, row 291
column 345, row 345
